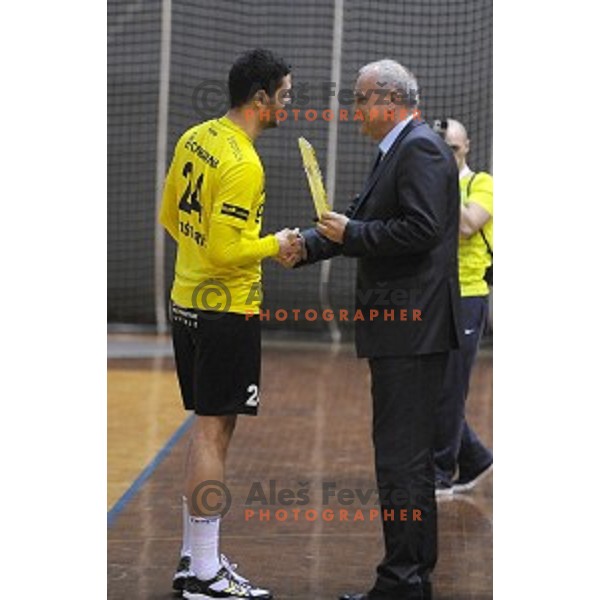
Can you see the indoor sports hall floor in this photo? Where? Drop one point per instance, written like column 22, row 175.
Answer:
column 314, row 427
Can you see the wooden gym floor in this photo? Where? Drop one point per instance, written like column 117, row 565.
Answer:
column 314, row 427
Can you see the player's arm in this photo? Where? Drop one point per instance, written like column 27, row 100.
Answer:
column 240, row 188
column 477, row 211
column 233, row 250
column 169, row 211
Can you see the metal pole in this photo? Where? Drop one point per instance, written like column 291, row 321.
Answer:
column 332, row 139
column 161, row 162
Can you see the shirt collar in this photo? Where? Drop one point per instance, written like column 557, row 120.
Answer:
column 464, row 172
column 225, row 120
column 390, row 138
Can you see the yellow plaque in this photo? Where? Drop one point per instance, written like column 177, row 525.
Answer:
column 313, row 174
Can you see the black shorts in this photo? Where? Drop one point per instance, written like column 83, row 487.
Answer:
column 218, row 361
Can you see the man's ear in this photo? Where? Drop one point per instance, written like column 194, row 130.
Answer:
column 261, row 98
column 467, row 145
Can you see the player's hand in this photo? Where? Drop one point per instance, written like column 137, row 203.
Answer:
column 332, row 225
column 291, row 247
column 292, row 259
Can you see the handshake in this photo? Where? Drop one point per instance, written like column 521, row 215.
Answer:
column 291, row 247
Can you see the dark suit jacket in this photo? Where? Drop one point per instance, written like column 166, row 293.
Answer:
column 403, row 229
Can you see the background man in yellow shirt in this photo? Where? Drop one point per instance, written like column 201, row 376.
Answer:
column 457, row 446
column 212, row 206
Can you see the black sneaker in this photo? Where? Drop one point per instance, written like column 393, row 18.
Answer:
column 182, row 573
column 468, row 481
column 225, row 584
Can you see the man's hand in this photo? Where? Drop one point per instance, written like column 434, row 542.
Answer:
column 332, row 225
column 291, row 247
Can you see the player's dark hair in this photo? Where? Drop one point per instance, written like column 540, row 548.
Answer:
column 253, row 71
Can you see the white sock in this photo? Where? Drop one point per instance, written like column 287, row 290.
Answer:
column 185, row 544
column 204, row 544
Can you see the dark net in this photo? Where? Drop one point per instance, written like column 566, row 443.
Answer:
column 133, row 73
column 447, row 44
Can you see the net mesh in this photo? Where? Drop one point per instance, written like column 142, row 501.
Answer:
column 134, row 33
column 447, row 44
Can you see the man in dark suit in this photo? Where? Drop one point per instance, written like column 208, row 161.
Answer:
column 403, row 228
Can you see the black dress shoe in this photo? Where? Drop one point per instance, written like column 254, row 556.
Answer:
column 421, row 592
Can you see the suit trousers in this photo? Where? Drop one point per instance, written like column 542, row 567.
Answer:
column 405, row 393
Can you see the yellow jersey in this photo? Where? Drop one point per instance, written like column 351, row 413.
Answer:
column 473, row 256
column 212, row 205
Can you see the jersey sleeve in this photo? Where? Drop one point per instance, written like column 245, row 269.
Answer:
column 169, row 212
column 240, row 187
column 482, row 192
column 234, row 250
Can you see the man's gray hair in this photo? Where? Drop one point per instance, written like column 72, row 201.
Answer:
column 395, row 77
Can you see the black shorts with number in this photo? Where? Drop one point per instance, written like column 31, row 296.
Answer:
column 218, row 361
